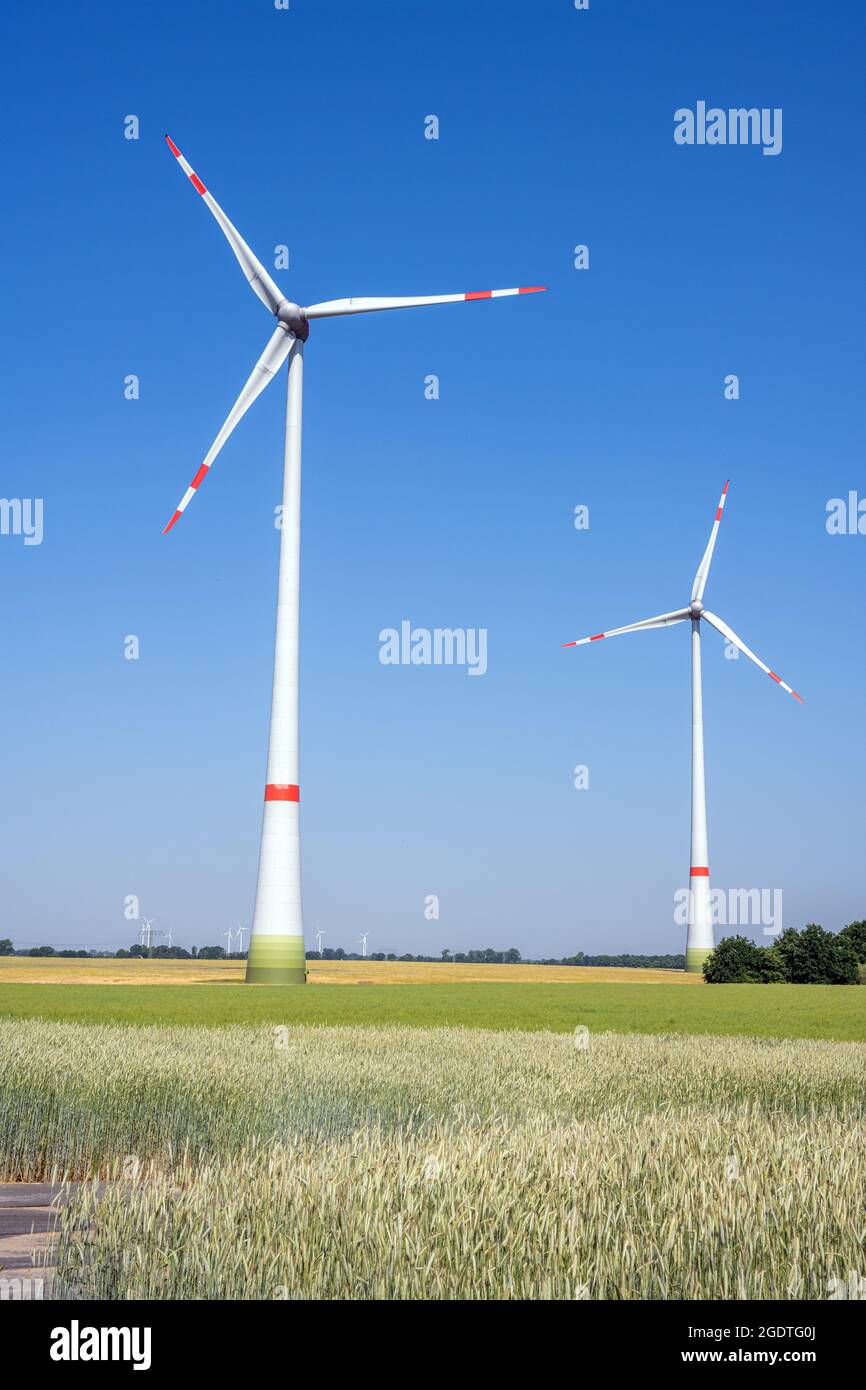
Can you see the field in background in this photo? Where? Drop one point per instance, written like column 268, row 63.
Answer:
column 50, row 970
column 392, row 1163
column 769, row 1011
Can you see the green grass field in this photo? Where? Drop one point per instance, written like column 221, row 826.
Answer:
column 763, row 1011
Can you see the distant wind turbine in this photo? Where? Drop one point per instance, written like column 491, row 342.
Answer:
column 699, row 942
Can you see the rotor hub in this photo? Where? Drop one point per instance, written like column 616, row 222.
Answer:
column 294, row 319
column 696, row 608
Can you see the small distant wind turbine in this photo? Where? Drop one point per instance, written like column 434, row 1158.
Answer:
column 147, row 932
column 276, row 954
column 241, row 931
column 699, row 942
column 362, row 942
column 320, row 936
column 228, row 936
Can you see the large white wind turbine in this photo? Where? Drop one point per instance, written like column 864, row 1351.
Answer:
column 699, row 942
column 276, row 953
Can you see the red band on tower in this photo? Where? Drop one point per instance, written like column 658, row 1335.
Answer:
column 282, row 791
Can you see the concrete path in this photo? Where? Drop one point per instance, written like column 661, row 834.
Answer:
column 28, row 1218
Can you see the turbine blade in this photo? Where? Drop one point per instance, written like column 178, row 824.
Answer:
column 738, row 642
column 663, row 620
column 260, row 281
column 333, row 308
column 273, row 357
column 704, row 567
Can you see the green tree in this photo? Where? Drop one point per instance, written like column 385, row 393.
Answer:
column 738, row 961
column 786, row 947
column 6, row 948
column 814, row 956
column 854, row 934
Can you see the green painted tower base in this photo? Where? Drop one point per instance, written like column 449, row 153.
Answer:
column 695, row 957
column 276, row 960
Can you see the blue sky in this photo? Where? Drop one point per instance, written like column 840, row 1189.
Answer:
column 556, row 128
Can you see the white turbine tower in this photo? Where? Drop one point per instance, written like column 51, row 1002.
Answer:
column 362, row 942
column 699, row 942
column 228, row 936
column 320, row 936
column 241, row 931
column 147, row 932
column 276, row 953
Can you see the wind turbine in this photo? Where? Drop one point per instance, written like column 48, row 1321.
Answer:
column 276, row 954
column 228, row 936
column 699, row 942
column 362, row 942
column 320, row 936
column 147, row 932
column 241, row 931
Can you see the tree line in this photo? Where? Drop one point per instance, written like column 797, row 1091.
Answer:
column 487, row 956
column 809, row 956
column 812, row 956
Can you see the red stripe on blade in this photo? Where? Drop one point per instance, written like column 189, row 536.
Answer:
column 569, row 644
column 167, row 528
column 282, row 791
column 479, row 294
column 719, row 514
column 797, row 697
column 197, row 183
column 532, row 289
column 699, row 873
column 773, row 676
column 597, row 638
column 172, row 146
column 199, row 475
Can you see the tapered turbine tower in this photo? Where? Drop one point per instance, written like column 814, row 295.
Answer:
column 699, row 942
column 276, row 952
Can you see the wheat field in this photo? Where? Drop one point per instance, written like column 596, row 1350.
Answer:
column 308, row 1162
column 50, row 970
